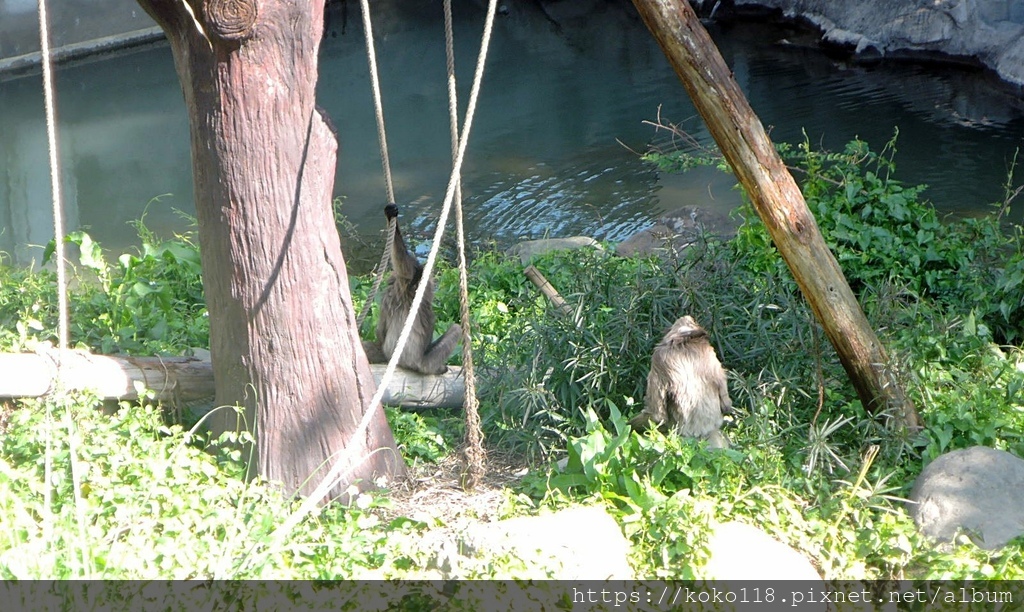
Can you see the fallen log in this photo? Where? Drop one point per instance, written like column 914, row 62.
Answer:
column 186, row 379
column 418, row 391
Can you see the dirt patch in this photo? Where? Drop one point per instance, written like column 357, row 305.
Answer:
column 434, row 490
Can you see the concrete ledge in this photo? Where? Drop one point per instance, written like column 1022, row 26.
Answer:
column 30, row 63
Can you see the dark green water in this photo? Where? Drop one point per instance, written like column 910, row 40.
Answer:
column 552, row 151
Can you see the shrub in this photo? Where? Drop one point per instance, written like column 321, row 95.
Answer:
column 151, row 302
column 124, row 496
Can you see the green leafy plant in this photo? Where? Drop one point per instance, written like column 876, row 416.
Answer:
column 125, row 496
column 566, row 365
column 884, row 232
column 150, row 302
column 423, row 437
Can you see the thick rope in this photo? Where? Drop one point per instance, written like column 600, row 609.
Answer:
column 378, row 274
column 58, row 211
column 338, row 471
column 385, row 160
column 62, row 285
column 378, row 106
column 473, row 453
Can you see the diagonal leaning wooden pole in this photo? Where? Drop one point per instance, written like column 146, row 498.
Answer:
column 778, row 202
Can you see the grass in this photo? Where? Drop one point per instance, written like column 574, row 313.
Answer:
column 137, row 497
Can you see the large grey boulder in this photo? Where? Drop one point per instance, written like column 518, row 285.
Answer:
column 989, row 31
column 742, row 552
column 578, row 543
column 978, row 491
column 528, row 250
column 675, row 231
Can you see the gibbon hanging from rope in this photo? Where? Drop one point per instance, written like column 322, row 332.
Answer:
column 422, row 353
column 426, row 356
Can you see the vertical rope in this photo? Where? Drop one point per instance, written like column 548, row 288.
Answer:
column 385, row 160
column 341, row 468
column 58, row 212
column 62, row 294
column 380, row 270
column 377, row 104
column 58, row 222
column 473, row 453
column 428, row 266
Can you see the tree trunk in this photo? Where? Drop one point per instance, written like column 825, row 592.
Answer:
column 778, row 202
column 283, row 337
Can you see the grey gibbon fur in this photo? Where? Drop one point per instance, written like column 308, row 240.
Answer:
column 421, row 354
column 686, row 387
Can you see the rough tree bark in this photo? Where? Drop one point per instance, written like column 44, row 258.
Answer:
column 778, row 202
column 283, row 337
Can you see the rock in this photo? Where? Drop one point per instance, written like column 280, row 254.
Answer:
column 444, row 554
column 717, row 439
column 986, row 31
column 978, row 491
column 1011, row 60
column 530, row 249
column 655, row 239
column 742, row 552
column 675, row 231
column 579, row 543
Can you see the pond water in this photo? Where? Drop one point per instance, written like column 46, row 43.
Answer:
column 553, row 150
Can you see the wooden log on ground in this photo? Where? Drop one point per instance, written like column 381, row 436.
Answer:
column 171, row 378
column 187, row 379
column 778, row 202
column 418, row 391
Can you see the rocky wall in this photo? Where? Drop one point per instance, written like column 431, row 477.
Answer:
column 989, row 32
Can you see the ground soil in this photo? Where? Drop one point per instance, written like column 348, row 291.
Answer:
column 435, row 491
